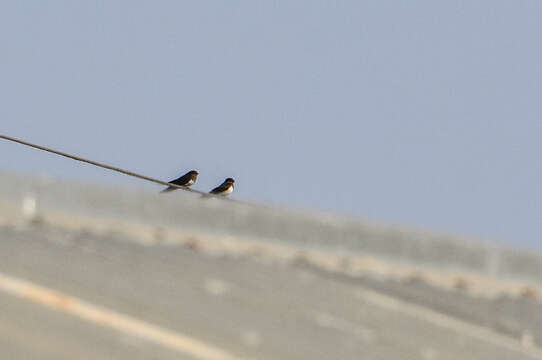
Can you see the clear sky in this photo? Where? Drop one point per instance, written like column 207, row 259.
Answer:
column 424, row 113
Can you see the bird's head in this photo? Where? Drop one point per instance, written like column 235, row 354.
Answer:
column 229, row 181
column 193, row 174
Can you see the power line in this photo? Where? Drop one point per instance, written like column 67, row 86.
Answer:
column 105, row 166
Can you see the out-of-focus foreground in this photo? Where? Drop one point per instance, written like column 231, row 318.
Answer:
column 90, row 272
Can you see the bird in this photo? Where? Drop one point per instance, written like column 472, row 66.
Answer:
column 225, row 188
column 187, row 179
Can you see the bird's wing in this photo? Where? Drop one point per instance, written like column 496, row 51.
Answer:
column 221, row 188
column 183, row 180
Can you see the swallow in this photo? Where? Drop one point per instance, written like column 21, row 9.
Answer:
column 187, row 179
column 225, row 188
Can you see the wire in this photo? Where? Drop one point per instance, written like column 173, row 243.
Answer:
column 105, row 166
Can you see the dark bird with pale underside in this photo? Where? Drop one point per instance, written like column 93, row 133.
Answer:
column 225, row 188
column 187, row 180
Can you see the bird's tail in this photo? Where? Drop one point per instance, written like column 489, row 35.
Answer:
column 168, row 189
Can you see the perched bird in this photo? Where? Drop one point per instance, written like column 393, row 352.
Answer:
column 187, row 179
column 225, row 188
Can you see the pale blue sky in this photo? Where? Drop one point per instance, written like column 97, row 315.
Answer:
column 424, row 113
